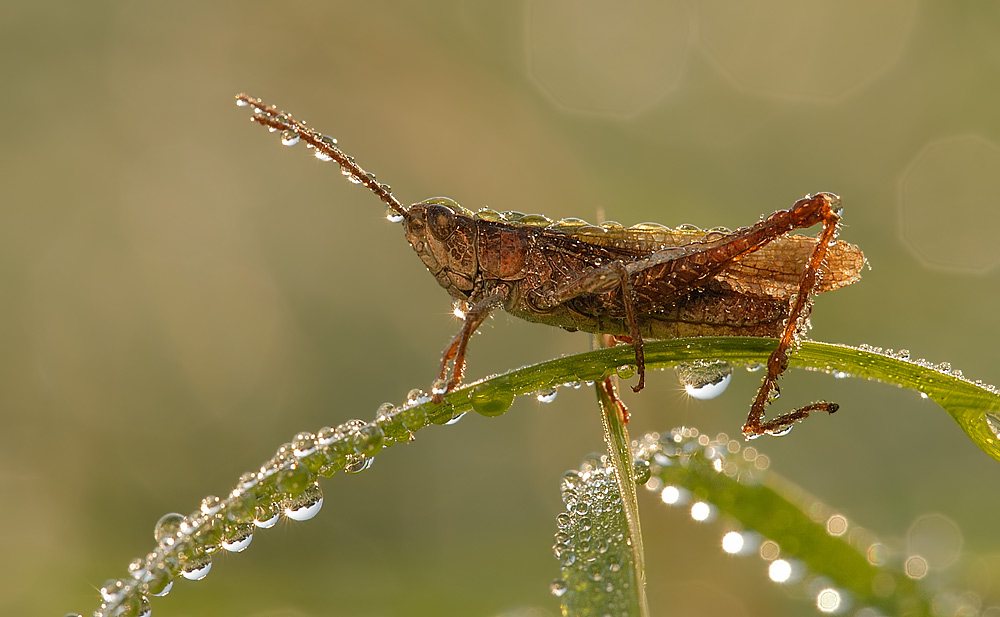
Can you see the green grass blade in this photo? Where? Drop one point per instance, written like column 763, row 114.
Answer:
column 973, row 405
column 624, row 468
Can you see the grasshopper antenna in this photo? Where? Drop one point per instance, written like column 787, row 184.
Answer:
column 293, row 131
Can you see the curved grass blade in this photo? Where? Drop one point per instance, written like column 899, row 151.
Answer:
column 287, row 483
column 973, row 405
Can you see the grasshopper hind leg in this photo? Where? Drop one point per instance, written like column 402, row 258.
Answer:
column 777, row 362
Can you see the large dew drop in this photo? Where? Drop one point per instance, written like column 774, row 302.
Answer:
column 305, row 505
column 705, row 379
column 489, row 400
column 167, row 527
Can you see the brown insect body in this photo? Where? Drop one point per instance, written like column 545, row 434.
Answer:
column 472, row 256
column 645, row 281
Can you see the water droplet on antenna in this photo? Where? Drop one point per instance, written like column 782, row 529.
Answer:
column 289, row 138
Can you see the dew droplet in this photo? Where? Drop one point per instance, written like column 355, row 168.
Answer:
column 323, row 156
column 197, row 568
column 558, row 587
column 392, row 216
column 705, row 379
column 993, row 422
column 144, row 609
column 306, row 505
column 780, row 571
column 915, row 567
column 356, row 463
column 293, row 479
column 626, row 371
column 160, row 582
column 547, row 395
column 733, row 542
column 266, row 515
column 289, row 138
column 165, row 530
column 642, row 471
column 828, row 600
column 242, row 103
column 238, row 539
column 701, row 511
column 490, row 400
column 111, row 591
column 670, row 495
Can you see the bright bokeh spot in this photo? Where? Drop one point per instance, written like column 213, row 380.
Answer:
column 779, row 571
column 670, row 495
column 733, row 542
column 948, row 205
column 916, row 567
column 828, row 600
column 836, row 525
column 701, row 511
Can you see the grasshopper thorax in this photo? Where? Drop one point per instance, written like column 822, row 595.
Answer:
column 443, row 234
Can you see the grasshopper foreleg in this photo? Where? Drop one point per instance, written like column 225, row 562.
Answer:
column 474, row 317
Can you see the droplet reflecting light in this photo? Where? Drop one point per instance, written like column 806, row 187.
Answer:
column 670, row 495
column 828, row 600
column 732, row 542
column 700, row 511
column 779, row 571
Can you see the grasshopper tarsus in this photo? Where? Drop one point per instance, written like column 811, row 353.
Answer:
column 647, row 280
column 783, row 423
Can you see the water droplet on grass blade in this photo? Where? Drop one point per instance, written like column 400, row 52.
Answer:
column 705, row 379
column 356, row 463
column 306, row 505
column 993, row 422
column 558, row 587
column 547, row 395
column 490, row 400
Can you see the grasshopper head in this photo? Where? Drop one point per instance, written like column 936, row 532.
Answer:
column 443, row 234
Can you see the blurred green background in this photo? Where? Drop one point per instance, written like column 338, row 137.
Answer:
column 181, row 295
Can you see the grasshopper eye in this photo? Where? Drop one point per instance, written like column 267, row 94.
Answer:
column 441, row 221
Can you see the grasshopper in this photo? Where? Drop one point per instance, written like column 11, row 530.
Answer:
column 643, row 282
